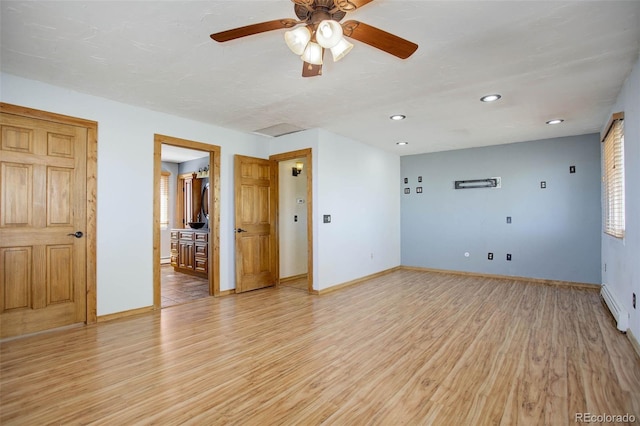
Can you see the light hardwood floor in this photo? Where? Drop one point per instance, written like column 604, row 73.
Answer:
column 406, row 348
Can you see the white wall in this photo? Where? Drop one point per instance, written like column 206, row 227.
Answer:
column 125, row 159
column 622, row 257
column 358, row 186
column 292, row 233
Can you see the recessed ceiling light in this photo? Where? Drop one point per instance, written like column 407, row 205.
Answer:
column 555, row 121
column 490, row 98
column 398, row 117
column 402, row 143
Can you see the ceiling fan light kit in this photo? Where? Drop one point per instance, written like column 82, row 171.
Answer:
column 312, row 54
column 298, row 39
column 341, row 49
column 329, row 33
column 322, row 30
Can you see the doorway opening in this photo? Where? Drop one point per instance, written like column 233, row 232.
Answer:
column 294, row 179
column 186, row 236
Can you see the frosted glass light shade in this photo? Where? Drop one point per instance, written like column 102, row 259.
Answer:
column 297, row 39
column 341, row 49
column 312, row 54
column 328, row 33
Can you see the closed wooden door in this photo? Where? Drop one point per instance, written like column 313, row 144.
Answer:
column 42, row 225
column 254, row 231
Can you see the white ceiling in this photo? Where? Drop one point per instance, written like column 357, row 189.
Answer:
column 175, row 154
column 548, row 59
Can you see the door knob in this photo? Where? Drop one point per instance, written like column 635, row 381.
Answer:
column 77, row 234
column 240, row 230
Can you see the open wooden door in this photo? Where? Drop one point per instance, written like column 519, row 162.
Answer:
column 255, row 225
column 43, row 222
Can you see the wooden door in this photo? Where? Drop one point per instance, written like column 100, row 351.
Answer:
column 254, row 230
column 42, row 205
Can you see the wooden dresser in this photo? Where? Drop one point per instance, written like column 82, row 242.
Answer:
column 190, row 251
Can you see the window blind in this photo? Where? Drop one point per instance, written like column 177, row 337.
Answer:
column 613, row 179
column 164, row 199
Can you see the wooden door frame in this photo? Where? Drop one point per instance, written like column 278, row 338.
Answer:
column 91, row 193
column 214, row 209
column 276, row 159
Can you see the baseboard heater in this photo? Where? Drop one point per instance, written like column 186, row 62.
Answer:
column 621, row 316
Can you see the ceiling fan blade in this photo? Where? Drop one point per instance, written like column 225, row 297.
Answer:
column 254, row 29
column 310, row 70
column 379, row 39
column 350, row 5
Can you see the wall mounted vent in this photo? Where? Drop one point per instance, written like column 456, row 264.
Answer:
column 494, row 182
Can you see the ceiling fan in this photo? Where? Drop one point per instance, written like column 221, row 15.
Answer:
column 322, row 30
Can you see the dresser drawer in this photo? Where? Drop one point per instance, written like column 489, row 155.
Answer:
column 186, row 235
column 200, row 264
column 201, row 237
column 201, row 250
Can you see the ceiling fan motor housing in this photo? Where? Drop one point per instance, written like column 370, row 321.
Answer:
column 319, row 11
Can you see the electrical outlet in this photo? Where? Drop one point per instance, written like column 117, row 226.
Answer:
column 572, row 169
column 295, row 217
column 326, row 218
column 543, row 184
column 508, row 219
column 509, row 256
column 490, row 256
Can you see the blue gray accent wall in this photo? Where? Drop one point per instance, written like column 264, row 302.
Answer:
column 194, row 165
column 554, row 231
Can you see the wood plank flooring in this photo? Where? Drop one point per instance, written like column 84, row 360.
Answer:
column 411, row 347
